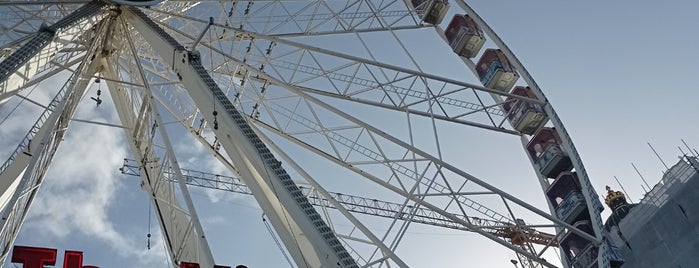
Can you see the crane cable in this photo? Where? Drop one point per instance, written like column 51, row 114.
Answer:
column 276, row 241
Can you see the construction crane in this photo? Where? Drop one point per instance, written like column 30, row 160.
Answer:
column 515, row 233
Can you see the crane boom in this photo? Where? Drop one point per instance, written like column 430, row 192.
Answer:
column 368, row 206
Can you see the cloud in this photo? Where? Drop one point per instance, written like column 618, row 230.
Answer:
column 201, row 159
column 83, row 186
column 84, row 189
column 214, row 220
column 83, row 193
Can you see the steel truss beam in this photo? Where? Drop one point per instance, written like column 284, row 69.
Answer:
column 462, row 199
column 354, row 203
column 368, row 80
column 330, row 134
column 364, row 237
column 302, row 230
column 22, row 174
column 35, row 55
column 183, row 234
column 348, row 77
column 318, row 126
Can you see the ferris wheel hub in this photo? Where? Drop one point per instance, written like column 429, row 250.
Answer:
column 137, row 2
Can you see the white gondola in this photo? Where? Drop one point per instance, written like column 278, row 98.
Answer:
column 495, row 71
column 525, row 117
column 565, row 195
column 548, row 156
column 464, row 36
column 580, row 252
column 431, row 11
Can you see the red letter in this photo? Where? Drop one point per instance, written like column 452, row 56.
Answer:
column 74, row 259
column 31, row 257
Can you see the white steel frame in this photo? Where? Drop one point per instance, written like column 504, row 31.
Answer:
column 155, row 56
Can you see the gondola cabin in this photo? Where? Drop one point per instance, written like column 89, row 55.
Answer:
column 464, row 36
column 565, row 195
column 431, row 11
column 495, row 71
column 580, row 252
column 548, row 155
column 525, row 117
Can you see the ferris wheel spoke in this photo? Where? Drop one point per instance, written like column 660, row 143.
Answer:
column 50, row 46
column 296, row 124
column 20, row 21
column 347, row 150
column 309, row 124
column 359, row 80
column 470, row 202
column 253, row 72
column 422, row 216
column 49, row 65
column 460, row 221
column 293, row 122
column 318, row 59
column 297, row 18
column 365, row 236
column 355, row 204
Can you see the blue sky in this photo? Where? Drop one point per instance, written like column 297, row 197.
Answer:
column 619, row 75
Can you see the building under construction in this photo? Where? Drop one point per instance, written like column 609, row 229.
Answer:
column 662, row 230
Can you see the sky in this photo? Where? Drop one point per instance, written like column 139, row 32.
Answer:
column 618, row 74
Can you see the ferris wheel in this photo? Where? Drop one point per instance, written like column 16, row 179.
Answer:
column 350, row 122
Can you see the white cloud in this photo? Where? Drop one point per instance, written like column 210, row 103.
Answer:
column 82, row 186
column 214, row 220
column 201, row 159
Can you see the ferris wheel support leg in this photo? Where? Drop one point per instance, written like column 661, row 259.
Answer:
column 183, row 244
column 309, row 240
column 23, row 173
column 182, row 234
column 20, row 66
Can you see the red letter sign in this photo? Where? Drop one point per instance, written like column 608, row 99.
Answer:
column 74, row 259
column 31, row 257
